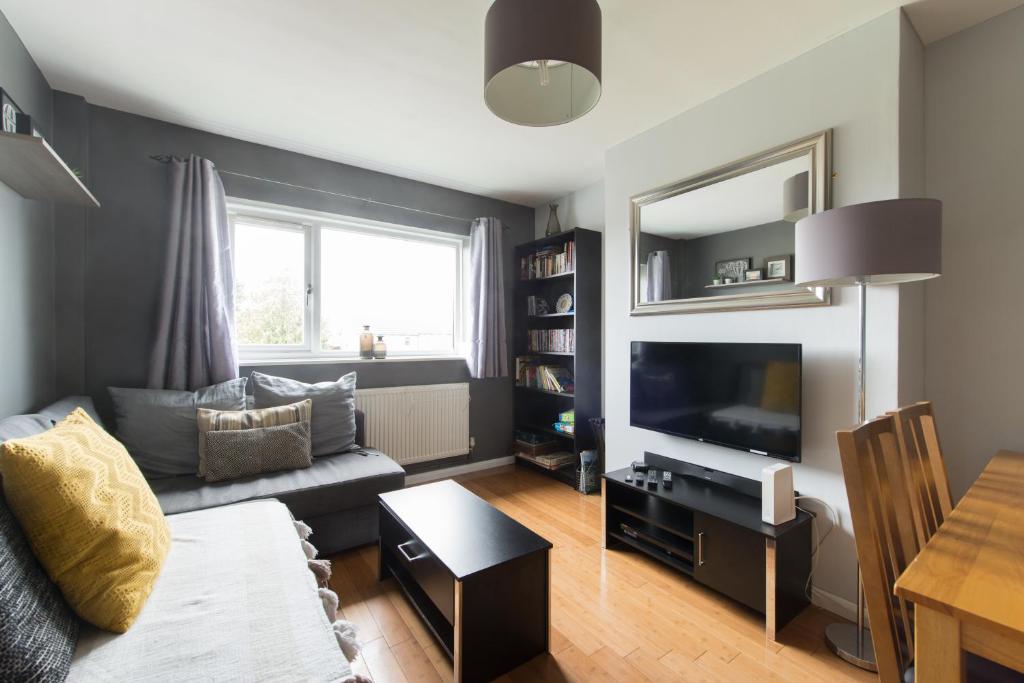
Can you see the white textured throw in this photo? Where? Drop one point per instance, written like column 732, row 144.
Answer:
column 303, row 529
column 346, row 633
column 321, row 569
column 309, row 549
column 330, row 600
column 235, row 601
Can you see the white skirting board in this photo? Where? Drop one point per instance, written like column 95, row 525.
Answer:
column 449, row 472
column 835, row 604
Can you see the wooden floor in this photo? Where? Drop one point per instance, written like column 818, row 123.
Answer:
column 616, row 615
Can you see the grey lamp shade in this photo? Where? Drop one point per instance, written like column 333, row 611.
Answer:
column 796, row 197
column 542, row 60
column 886, row 242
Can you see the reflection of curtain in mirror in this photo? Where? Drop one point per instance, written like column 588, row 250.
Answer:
column 659, row 277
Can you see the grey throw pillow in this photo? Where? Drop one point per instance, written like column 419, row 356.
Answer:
column 334, row 407
column 159, row 429
column 236, row 453
column 38, row 630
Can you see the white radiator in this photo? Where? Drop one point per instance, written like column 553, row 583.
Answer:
column 417, row 424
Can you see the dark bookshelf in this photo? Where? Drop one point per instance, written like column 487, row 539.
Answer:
column 536, row 409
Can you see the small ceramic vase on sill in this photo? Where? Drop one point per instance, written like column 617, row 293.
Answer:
column 380, row 349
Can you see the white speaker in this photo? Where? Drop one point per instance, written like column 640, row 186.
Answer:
column 777, row 502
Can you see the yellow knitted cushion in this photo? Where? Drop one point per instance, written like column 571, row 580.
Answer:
column 91, row 518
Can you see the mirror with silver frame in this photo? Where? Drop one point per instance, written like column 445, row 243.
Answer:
column 724, row 240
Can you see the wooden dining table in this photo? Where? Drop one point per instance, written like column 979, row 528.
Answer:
column 967, row 584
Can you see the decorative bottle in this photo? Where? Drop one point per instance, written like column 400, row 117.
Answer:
column 380, row 349
column 554, row 227
column 366, row 343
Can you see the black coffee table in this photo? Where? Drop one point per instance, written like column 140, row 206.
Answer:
column 478, row 578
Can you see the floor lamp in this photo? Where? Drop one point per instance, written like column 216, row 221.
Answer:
column 877, row 243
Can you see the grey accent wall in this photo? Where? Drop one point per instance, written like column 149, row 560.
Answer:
column 759, row 243
column 26, row 252
column 974, row 143
column 126, row 240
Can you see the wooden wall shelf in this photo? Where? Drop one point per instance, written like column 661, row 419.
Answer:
column 30, row 167
column 747, row 283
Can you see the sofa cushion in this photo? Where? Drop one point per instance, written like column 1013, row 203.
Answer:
column 90, row 518
column 334, row 405
column 333, row 482
column 38, row 630
column 159, row 426
column 65, row 406
column 235, row 602
column 18, row 426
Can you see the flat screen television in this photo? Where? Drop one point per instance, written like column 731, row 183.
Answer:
column 742, row 396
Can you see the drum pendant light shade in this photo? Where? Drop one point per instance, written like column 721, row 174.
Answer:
column 542, row 60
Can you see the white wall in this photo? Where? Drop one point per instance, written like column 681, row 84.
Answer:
column 850, row 84
column 974, row 112
column 581, row 209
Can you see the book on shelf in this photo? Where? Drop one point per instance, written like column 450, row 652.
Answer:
column 565, row 428
column 551, row 260
column 553, row 341
column 533, row 374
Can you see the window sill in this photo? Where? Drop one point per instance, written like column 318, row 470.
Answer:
column 343, row 360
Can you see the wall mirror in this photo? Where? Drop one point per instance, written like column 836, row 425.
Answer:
column 724, row 240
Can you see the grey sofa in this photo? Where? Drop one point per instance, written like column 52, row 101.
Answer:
column 336, row 497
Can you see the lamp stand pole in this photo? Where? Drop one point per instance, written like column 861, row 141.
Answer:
column 852, row 642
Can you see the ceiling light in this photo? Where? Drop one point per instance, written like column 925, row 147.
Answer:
column 542, row 60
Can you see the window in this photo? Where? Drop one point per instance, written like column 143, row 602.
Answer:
column 305, row 284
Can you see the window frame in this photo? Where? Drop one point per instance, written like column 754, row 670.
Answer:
column 312, row 224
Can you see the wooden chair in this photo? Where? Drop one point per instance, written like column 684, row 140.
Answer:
column 926, row 470
column 886, row 536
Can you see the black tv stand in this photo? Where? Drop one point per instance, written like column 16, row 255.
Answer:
column 708, row 526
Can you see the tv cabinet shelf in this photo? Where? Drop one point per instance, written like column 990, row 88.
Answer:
column 683, row 530
column 708, row 526
column 655, row 552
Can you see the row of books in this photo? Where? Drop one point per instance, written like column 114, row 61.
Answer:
column 553, row 341
column 530, row 372
column 551, row 260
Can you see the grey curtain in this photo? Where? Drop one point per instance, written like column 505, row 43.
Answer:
column 488, row 344
column 659, row 277
column 195, row 340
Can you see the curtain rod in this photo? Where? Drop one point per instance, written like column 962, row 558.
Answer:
column 167, row 158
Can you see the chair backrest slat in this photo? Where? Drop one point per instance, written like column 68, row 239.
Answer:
column 885, row 530
column 919, row 441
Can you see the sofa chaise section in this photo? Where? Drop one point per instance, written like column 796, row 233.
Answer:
column 336, row 496
column 235, row 600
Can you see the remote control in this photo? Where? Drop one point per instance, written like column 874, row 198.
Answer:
column 639, row 466
column 666, row 479
column 652, row 479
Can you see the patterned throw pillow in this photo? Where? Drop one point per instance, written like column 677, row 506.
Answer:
column 234, row 444
column 90, row 517
column 38, row 631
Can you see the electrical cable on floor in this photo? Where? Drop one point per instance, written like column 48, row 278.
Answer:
column 834, row 519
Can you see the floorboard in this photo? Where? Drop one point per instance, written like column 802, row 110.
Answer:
column 616, row 615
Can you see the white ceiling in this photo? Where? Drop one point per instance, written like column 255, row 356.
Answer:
column 751, row 199
column 396, row 85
